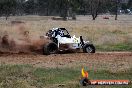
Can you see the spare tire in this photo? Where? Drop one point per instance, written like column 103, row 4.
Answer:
column 88, row 48
column 50, row 48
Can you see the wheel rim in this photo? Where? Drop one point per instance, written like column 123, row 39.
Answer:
column 89, row 49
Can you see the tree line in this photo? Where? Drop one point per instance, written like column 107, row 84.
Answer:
column 61, row 8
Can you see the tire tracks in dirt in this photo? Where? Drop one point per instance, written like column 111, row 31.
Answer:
column 99, row 60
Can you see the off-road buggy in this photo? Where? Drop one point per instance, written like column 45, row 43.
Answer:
column 62, row 41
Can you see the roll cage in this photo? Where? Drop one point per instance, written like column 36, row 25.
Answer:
column 58, row 31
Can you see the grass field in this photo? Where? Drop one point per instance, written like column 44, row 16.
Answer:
column 26, row 76
column 64, row 70
column 106, row 34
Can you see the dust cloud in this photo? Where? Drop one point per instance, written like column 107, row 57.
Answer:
column 20, row 40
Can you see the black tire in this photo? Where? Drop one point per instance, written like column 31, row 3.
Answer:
column 50, row 48
column 88, row 48
column 85, row 82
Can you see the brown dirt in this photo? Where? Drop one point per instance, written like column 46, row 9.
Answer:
column 111, row 60
column 21, row 40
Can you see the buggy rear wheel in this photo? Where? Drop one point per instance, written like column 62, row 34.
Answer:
column 50, row 48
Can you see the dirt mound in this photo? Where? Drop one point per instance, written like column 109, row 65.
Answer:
column 20, row 40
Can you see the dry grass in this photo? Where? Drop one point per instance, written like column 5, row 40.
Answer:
column 100, row 32
column 26, row 76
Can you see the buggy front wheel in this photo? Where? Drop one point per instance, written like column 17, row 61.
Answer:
column 88, row 48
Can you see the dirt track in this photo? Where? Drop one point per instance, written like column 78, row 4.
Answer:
column 111, row 60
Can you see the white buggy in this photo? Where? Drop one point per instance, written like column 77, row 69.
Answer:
column 62, row 41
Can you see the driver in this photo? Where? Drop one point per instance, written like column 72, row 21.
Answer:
column 61, row 33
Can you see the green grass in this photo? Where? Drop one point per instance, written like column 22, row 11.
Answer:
column 115, row 47
column 56, row 76
column 25, row 76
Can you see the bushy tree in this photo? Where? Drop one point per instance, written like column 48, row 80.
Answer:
column 63, row 8
column 129, row 4
column 7, row 7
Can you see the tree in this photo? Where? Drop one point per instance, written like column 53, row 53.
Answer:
column 7, row 7
column 129, row 4
column 116, row 10
column 31, row 7
column 113, row 6
column 83, row 4
column 20, row 7
column 94, row 6
column 62, row 7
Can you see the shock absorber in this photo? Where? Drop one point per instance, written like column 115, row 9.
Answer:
column 81, row 41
